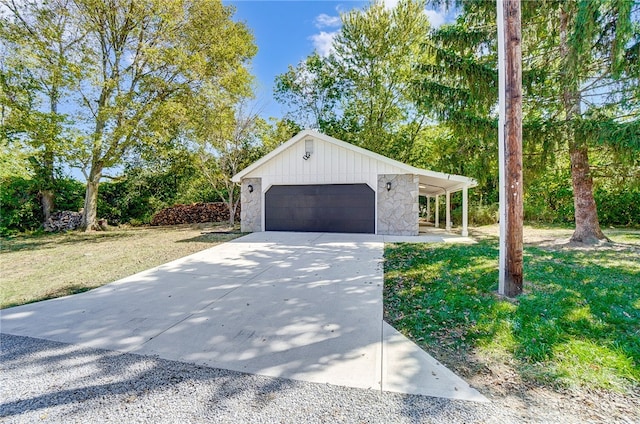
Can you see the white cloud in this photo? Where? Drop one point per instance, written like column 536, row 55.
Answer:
column 323, row 20
column 323, row 42
column 436, row 18
column 390, row 4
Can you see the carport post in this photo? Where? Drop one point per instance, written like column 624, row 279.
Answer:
column 448, row 215
column 465, row 212
column 437, row 223
column 428, row 208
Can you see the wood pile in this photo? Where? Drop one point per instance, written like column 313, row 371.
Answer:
column 193, row 214
column 63, row 221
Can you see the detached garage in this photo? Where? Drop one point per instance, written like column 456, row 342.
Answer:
column 317, row 183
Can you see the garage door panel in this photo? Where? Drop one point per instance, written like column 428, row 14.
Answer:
column 346, row 208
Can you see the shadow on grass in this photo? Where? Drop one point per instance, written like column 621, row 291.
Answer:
column 577, row 322
column 61, row 292
column 213, row 237
column 47, row 241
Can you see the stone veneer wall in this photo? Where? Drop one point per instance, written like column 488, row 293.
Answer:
column 398, row 207
column 251, row 205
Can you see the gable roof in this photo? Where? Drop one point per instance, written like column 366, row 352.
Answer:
column 446, row 182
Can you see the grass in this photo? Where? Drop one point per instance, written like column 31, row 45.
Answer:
column 577, row 324
column 39, row 267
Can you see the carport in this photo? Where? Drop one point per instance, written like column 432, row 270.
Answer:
column 317, row 183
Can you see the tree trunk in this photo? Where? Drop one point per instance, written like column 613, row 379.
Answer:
column 90, row 211
column 232, row 207
column 47, row 201
column 47, row 194
column 586, row 214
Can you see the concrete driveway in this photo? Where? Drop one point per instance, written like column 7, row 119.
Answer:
column 304, row 306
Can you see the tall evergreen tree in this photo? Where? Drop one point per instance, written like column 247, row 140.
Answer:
column 580, row 82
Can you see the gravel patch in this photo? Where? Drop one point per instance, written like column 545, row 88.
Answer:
column 51, row 382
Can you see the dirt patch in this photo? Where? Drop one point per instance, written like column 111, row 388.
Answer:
column 502, row 383
column 560, row 238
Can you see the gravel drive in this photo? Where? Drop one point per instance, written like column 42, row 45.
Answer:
column 44, row 381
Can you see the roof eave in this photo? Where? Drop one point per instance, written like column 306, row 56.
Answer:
column 238, row 177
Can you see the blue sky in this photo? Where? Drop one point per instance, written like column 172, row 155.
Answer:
column 287, row 31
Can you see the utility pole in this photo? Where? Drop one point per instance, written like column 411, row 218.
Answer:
column 510, row 146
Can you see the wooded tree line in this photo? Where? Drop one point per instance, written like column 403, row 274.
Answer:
column 429, row 97
column 159, row 93
column 120, row 88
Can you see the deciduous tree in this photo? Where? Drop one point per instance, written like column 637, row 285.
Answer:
column 143, row 55
column 40, row 66
column 226, row 142
column 312, row 92
column 361, row 93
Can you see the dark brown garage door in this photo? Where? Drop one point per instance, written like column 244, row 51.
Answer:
column 335, row 208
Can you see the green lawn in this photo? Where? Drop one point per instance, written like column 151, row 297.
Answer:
column 577, row 325
column 44, row 266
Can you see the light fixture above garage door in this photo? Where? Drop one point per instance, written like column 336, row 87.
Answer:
column 308, row 148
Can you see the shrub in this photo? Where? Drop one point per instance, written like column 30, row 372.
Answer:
column 20, row 208
column 618, row 207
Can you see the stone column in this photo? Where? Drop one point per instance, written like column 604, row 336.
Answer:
column 398, row 206
column 251, row 205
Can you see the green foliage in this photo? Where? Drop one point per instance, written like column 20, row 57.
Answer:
column 439, row 148
column 311, row 91
column 198, row 190
column 36, row 72
column 20, row 209
column 480, row 214
column 13, row 160
column 361, row 93
column 133, row 199
column 144, row 191
column 136, row 68
column 580, row 84
column 619, row 206
column 549, row 199
column 575, row 326
column 276, row 132
column 70, row 194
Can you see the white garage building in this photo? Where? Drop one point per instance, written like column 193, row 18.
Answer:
column 314, row 182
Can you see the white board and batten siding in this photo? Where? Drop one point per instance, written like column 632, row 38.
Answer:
column 328, row 164
column 334, row 161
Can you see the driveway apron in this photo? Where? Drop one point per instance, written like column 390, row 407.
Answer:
column 304, row 306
